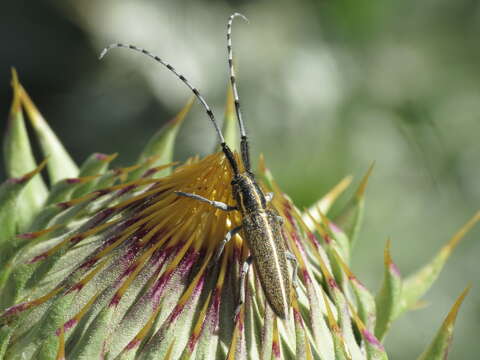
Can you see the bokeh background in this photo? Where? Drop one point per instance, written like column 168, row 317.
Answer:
column 327, row 87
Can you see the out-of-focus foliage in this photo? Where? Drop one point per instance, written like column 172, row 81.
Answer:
column 395, row 82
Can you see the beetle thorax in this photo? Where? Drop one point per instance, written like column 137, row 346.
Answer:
column 247, row 193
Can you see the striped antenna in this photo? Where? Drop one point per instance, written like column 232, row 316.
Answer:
column 243, row 134
column 225, row 148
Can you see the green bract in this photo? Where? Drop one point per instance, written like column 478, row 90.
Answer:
column 111, row 264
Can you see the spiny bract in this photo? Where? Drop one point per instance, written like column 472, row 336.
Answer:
column 112, row 264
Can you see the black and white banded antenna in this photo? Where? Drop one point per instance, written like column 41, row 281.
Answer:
column 243, row 135
column 226, row 150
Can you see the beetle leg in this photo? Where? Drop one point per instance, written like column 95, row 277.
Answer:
column 294, row 261
column 225, row 240
column 269, row 197
column 217, row 204
column 243, row 278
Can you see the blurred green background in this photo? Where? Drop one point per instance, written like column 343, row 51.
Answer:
column 327, row 87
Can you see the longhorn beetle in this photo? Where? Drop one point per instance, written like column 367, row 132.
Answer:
column 261, row 224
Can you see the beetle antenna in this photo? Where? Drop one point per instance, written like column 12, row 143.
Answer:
column 244, row 141
column 226, row 150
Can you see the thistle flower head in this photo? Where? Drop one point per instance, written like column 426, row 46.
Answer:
column 115, row 264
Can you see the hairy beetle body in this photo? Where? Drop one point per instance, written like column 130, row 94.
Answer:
column 263, row 234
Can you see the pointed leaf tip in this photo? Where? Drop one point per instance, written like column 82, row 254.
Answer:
column 61, row 165
column 459, row 235
column 161, row 145
column 439, row 347
column 34, row 172
column 387, row 256
column 418, row 283
column 452, row 315
column 19, row 160
column 14, row 75
column 15, row 108
column 351, row 218
column 229, row 128
column 178, row 119
column 388, row 299
column 325, row 203
column 230, row 105
column 363, row 184
column 105, row 157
